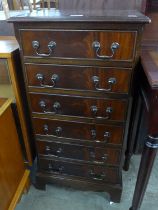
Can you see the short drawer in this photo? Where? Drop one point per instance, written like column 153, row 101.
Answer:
column 96, row 155
column 79, row 132
column 78, row 106
column 80, row 44
column 79, row 78
column 96, row 173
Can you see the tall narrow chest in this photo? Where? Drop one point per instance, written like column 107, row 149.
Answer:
column 78, row 68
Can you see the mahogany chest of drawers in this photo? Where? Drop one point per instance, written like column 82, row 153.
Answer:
column 78, row 72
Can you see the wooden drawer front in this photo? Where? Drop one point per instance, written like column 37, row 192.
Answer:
column 99, row 133
column 78, row 44
column 77, row 106
column 97, row 173
column 96, row 155
column 79, row 78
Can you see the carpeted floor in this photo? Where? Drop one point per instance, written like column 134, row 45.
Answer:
column 56, row 198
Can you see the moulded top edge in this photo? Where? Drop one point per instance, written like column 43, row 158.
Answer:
column 54, row 15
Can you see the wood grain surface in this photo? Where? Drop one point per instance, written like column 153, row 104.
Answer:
column 11, row 159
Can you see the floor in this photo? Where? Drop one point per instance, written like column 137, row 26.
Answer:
column 55, row 198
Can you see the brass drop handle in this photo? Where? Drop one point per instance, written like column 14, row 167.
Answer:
column 53, row 169
column 48, row 150
column 59, row 151
column 56, row 106
column 50, row 167
column 93, row 134
column 109, row 111
column 61, row 169
column 95, row 176
column 43, row 106
column 54, row 79
column 45, row 129
column 40, row 77
column 51, row 46
column 104, row 157
column 58, row 131
column 96, row 46
column 111, row 81
column 92, row 155
column 106, row 136
column 94, row 110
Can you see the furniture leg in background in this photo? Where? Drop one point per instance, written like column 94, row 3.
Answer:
column 147, row 160
column 149, row 152
column 136, row 112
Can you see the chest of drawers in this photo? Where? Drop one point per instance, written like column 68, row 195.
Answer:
column 78, row 73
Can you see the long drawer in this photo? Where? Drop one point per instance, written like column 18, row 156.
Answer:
column 84, row 44
column 96, row 155
column 108, row 109
column 83, row 78
column 80, row 132
column 92, row 172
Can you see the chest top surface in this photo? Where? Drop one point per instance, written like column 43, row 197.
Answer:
column 81, row 15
